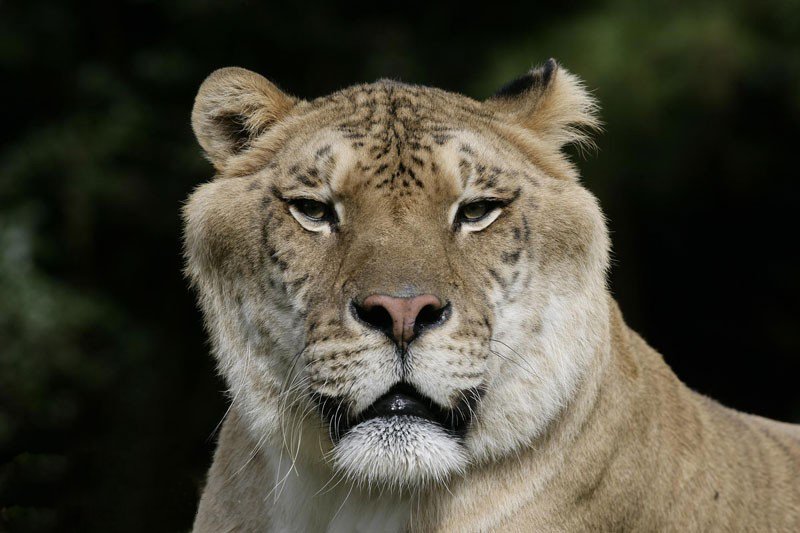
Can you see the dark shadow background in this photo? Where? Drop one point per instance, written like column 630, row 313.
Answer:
column 107, row 394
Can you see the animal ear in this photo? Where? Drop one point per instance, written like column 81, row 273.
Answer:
column 232, row 108
column 551, row 102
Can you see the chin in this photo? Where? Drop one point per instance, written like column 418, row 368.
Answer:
column 399, row 452
column 403, row 441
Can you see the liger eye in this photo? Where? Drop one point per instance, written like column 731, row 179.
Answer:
column 313, row 209
column 475, row 211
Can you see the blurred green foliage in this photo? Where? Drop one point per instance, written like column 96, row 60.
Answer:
column 107, row 394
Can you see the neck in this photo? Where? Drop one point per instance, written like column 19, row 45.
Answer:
column 310, row 497
column 257, row 486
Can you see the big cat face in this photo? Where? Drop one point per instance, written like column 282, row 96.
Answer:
column 372, row 265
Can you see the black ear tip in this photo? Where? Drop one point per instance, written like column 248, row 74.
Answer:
column 549, row 67
column 538, row 78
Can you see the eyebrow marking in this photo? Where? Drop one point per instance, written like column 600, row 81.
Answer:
column 465, row 170
column 306, row 180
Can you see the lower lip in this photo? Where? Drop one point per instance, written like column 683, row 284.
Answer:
column 397, row 405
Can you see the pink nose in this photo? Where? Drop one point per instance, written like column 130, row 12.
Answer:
column 407, row 317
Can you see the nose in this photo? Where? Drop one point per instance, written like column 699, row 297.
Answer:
column 402, row 319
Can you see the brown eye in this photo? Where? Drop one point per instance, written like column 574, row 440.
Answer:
column 313, row 209
column 475, row 211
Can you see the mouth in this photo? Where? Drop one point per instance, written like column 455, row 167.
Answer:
column 403, row 400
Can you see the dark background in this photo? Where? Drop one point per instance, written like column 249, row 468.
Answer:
column 108, row 397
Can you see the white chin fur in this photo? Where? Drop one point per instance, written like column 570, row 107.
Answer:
column 400, row 452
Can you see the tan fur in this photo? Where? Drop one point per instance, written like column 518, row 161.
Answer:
column 637, row 451
column 581, row 425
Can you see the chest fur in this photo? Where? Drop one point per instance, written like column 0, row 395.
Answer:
column 310, row 498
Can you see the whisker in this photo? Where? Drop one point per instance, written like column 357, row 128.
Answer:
column 235, row 395
column 343, row 502
column 529, row 369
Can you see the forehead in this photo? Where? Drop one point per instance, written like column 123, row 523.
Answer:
column 398, row 140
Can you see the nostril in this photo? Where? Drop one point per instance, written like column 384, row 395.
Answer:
column 402, row 319
column 430, row 315
column 376, row 316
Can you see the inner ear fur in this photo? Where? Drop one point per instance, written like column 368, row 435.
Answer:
column 552, row 103
column 233, row 107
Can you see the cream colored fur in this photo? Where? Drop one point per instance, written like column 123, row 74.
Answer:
column 580, row 425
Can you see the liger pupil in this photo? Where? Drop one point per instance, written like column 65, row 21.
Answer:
column 475, row 210
column 313, row 209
